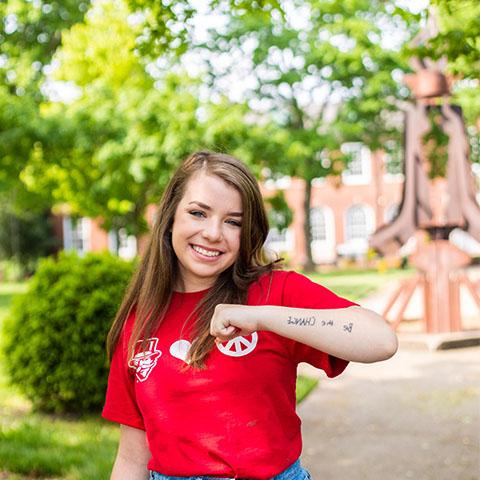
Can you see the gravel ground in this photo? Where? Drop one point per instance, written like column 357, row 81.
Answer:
column 415, row 416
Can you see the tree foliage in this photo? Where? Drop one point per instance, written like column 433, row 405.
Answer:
column 459, row 36
column 25, row 236
column 30, row 33
column 168, row 27
column 458, row 42
column 29, row 36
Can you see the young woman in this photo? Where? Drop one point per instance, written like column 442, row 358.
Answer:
column 205, row 347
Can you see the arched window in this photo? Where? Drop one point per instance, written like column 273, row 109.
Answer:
column 318, row 227
column 356, row 223
column 322, row 229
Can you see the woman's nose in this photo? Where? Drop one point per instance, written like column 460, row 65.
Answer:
column 212, row 231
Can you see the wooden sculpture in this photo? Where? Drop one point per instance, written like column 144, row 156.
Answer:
column 434, row 206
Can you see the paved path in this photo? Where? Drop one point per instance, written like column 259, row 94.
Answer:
column 415, row 416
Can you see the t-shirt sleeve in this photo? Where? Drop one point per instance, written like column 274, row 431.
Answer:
column 300, row 292
column 120, row 403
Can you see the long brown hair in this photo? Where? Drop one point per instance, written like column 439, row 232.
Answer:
column 151, row 287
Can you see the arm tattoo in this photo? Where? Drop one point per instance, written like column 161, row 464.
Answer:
column 348, row 328
column 308, row 321
column 302, row 322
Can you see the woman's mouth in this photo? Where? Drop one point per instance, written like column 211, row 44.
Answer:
column 206, row 253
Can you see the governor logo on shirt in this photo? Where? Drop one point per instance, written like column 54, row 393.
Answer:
column 144, row 362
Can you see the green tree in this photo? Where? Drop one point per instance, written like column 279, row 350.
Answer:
column 167, row 27
column 458, row 38
column 25, row 236
column 30, row 33
column 458, row 41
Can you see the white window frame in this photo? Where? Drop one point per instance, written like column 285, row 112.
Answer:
column 74, row 230
column 365, row 158
column 283, row 243
column 357, row 246
column 127, row 245
column 323, row 251
column 391, row 177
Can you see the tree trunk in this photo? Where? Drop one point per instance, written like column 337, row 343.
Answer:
column 308, row 266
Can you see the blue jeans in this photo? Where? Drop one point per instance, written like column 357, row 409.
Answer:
column 293, row 472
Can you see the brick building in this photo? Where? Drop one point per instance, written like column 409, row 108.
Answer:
column 344, row 211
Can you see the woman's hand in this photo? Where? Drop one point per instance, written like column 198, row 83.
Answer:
column 230, row 321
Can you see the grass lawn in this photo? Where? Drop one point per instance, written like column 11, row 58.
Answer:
column 33, row 445
column 355, row 285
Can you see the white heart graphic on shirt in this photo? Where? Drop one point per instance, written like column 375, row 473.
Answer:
column 179, row 349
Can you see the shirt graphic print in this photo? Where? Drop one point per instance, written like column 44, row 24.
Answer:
column 144, row 362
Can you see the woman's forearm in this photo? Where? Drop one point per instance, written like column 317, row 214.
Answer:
column 132, row 455
column 352, row 333
column 125, row 468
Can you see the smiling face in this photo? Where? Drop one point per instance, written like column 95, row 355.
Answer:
column 206, row 230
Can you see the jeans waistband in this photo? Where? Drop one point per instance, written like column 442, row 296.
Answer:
column 293, row 472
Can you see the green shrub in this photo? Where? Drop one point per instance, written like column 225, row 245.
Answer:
column 54, row 338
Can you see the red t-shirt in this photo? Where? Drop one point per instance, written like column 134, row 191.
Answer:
column 237, row 417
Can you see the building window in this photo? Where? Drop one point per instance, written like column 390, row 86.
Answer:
column 318, row 227
column 322, row 229
column 358, row 170
column 127, row 245
column 274, row 236
column 279, row 242
column 393, row 158
column 355, row 165
column 359, row 224
column 122, row 244
column 76, row 234
column 356, row 225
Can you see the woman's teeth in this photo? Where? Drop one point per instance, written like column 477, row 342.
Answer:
column 207, row 253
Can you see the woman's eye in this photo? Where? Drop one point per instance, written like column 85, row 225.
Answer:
column 234, row 223
column 196, row 213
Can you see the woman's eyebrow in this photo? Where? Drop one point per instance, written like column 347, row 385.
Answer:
column 207, row 207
